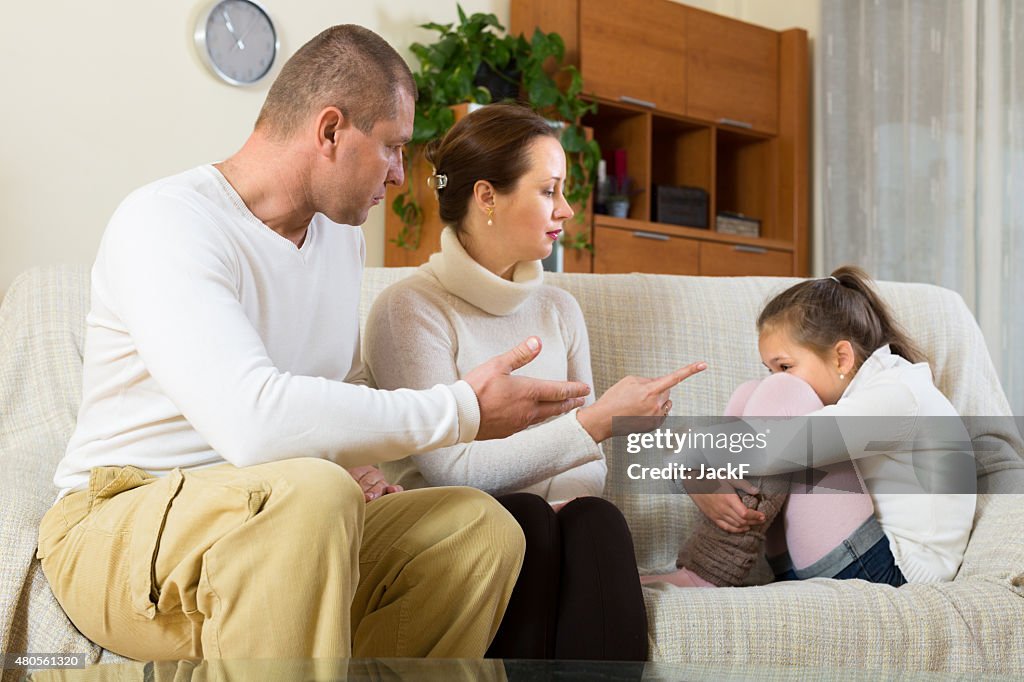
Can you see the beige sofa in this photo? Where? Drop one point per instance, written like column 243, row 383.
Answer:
column 638, row 324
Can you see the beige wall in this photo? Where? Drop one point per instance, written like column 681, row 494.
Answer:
column 102, row 97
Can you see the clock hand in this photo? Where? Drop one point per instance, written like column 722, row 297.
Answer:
column 231, row 29
column 248, row 29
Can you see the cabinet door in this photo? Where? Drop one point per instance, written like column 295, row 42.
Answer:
column 635, row 49
column 624, row 251
column 732, row 72
column 729, row 260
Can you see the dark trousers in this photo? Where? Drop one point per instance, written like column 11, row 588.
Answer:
column 578, row 596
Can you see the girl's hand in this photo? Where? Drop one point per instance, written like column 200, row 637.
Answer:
column 372, row 481
column 726, row 510
column 633, row 397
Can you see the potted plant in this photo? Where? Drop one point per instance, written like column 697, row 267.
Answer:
column 475, row 61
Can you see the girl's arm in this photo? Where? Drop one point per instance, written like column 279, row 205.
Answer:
column 838, row 433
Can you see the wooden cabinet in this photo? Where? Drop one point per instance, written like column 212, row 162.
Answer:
column 701, row 101
column 628, row 53
column 732, row 72
column 695, row 100
column 742, row 259
column 623, row 251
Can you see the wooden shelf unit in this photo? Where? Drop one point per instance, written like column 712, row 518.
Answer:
column 697, row 100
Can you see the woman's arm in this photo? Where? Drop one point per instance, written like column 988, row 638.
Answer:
column 409, row 343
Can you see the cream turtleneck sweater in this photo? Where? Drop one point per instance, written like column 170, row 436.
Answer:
column 449, row 317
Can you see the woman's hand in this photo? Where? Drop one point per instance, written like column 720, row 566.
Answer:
column 633, row 397
column 372, row 481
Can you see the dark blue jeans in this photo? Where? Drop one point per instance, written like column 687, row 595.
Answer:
column 876, row 565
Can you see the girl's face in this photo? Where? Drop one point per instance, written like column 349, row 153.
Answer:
column 780, row 353
column 529, row 219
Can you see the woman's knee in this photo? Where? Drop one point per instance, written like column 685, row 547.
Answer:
column 535, row 516
column 593, row 516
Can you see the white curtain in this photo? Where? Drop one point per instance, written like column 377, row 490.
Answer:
column 922, row 154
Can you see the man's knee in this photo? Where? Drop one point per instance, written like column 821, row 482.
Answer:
column 494, row 530
column 319, row 484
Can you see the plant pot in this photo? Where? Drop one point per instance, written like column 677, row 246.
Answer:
column 500, row 88
column 618, row 208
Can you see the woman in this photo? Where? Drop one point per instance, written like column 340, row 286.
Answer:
column 499, row 177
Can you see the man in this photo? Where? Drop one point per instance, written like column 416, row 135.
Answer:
column 203, row 510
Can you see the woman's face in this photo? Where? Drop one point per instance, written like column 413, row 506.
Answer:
column 528, row 220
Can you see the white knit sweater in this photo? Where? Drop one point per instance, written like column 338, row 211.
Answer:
column 212, row 338
column 450, row 316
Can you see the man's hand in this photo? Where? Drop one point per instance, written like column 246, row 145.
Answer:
column 372, row 481
column 725, row 508
column 509, row 404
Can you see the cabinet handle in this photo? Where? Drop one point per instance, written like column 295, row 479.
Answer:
column 735, row 124
column 651, row 235
column 750, row 249
column 639, row 102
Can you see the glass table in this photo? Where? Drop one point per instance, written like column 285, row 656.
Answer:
column 452, row 670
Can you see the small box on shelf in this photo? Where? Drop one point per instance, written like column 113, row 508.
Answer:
column 738, row 224
column 686, row 206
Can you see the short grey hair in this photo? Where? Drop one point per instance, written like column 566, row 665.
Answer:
column 346, row 66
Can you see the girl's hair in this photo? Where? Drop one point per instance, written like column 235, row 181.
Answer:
column 489, row 144
column 818, row 313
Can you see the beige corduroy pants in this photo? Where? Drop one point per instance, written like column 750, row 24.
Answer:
column 279, row 560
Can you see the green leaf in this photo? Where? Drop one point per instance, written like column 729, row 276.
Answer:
column 440, row 28
column 500, row 56
column 542, row 94
column 573, row 140
column 492, row 20
column 558, row 44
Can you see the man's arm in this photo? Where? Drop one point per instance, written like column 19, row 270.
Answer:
column 173, row 286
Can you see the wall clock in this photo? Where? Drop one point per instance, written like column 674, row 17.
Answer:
column 237, row 41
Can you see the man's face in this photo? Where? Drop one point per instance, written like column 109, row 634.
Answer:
column 367, row 163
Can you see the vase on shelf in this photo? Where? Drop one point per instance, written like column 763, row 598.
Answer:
column 618, row 207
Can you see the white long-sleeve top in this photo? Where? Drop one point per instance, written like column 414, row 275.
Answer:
column 927, row 531
column 449, row 316
column 212, row 338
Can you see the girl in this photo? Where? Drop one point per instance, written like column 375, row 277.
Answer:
column 833, row 350
column 499, row 177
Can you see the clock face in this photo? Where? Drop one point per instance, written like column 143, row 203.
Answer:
column 237, row 41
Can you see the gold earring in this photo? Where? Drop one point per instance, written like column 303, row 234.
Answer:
column 490, row 215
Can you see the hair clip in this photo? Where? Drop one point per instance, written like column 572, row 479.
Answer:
column 437, row 181
column 834, row 279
